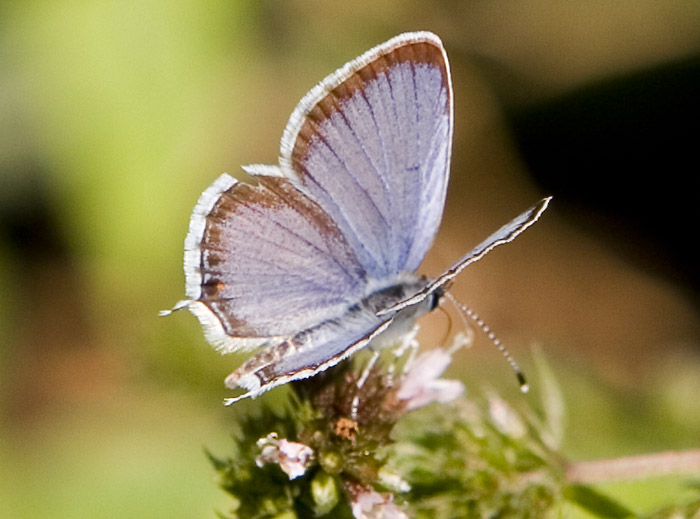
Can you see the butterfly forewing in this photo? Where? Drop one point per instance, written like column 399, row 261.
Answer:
column 371, row 144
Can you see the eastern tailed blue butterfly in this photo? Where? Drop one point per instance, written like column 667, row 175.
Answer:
column 317, row 259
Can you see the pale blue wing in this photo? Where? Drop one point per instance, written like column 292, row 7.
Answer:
column 505, row 234
column 318, row 348
column 307, row 353
column 265, row 262
column 371, row 144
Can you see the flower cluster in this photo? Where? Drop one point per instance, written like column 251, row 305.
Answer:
column 365, row 444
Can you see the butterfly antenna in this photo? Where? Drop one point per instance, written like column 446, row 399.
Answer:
column 468, row 312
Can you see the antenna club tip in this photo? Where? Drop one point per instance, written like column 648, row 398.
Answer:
column 524, row 386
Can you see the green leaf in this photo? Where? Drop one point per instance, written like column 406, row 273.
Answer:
column 595, row 502
column 552, row 401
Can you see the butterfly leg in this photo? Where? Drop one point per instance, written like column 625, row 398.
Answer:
column 409, row 344
column 361, row 382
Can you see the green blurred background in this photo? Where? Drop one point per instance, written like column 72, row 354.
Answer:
column 114, row 116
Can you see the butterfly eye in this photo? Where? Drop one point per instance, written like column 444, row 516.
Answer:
column 436, row 296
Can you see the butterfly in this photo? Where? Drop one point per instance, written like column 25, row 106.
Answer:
column 317, row 258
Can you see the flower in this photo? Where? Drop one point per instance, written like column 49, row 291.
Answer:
column 367, row 503
column 292, row 457
column 505, row 418
column 422, row 385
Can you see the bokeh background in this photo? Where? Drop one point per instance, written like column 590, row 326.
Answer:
column 114, row 116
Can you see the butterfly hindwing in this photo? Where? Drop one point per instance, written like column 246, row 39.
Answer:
column 265, row 261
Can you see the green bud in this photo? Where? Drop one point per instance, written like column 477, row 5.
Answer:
column 324, row 492
column 286, row 515
column 331, row 461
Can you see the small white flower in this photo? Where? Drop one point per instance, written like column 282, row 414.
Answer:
column 292, row 457
column 505, row 418
column 422, row 385
column 370, row 504
column 392, row 481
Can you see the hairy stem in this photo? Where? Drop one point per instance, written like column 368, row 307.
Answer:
column 633, row 467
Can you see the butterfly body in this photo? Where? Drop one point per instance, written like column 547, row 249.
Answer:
column 299, row 356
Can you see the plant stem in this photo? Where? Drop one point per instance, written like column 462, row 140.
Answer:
column 632, row 467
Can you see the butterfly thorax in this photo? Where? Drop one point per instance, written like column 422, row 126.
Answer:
column 402, row 321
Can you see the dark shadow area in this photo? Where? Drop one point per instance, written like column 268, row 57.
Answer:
column 623, row 157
